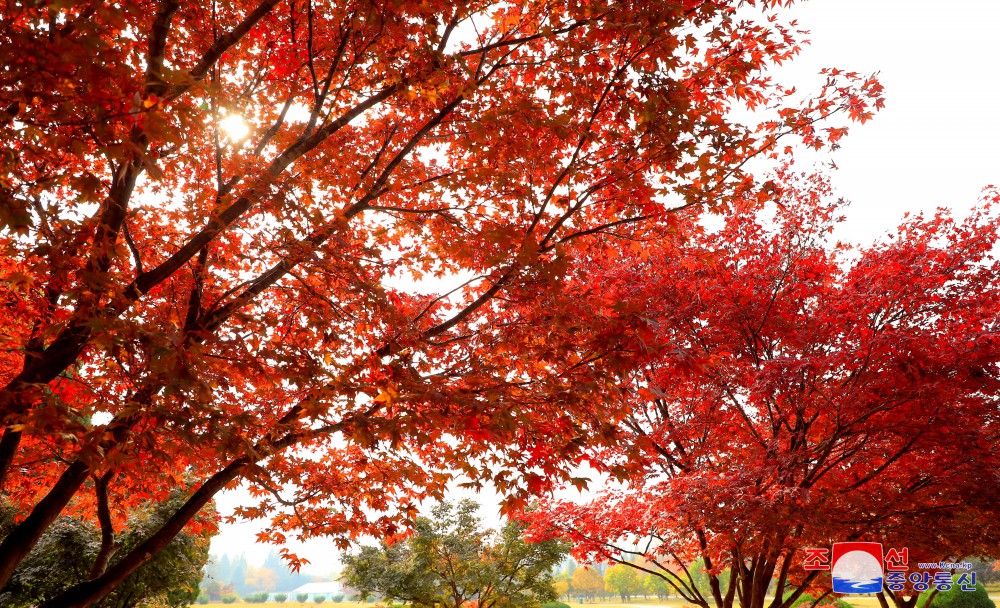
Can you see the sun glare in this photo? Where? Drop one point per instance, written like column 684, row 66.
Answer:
column 235, row 128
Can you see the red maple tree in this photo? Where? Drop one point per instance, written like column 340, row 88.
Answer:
column 794, row 393
column 351, row 301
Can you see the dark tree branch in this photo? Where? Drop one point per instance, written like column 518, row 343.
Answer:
column 157, row 46
column 108, row 547
column 88, row 592
column 223, row 44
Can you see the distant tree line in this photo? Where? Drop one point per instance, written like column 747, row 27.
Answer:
column 600, row 581
column 233, row 576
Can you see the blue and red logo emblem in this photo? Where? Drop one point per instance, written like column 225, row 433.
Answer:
column 857, row 567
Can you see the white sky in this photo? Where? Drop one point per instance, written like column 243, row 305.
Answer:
column 935, row 143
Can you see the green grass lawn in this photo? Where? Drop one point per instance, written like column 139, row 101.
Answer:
column 669, row 603
column 859, row 601
column 286, row 604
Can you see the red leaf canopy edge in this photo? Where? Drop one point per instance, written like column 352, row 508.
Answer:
column 795, row 393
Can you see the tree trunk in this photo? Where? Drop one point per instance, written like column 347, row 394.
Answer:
column 86, row 593
column 8, row 449
column 108, row 547
column 25, row 535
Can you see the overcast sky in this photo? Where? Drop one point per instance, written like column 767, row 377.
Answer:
column 935, row 143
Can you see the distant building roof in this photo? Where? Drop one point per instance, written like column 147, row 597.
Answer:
column 330, row 587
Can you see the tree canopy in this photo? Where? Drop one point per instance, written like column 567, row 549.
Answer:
column 320, row 248
column 587, row 581
column 797, row 392
column 623, row 580
column 451, row 561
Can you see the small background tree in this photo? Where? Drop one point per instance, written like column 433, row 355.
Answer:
column 655, row 585
column 588, row 582
column 623, row 580
column 451, row 561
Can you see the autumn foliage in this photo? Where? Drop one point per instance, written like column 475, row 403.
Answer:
column 797, row 392
column 355, row 300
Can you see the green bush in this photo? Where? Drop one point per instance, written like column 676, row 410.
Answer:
column 319, row 599
column 202, row 599
column 256, row 598
column 956, row 598
column 229, row 599
column 302, row 597
column 337, row 598
column 280, row 597
column 805, row 601
column 554, row 605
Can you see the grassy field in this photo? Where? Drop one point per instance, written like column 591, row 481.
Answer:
column 861, row 601
column 285, row 604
